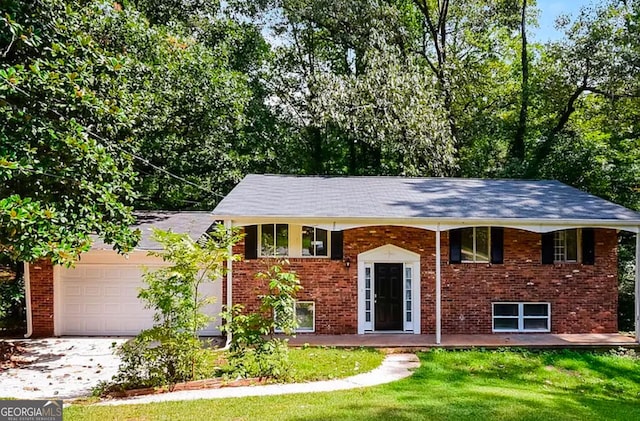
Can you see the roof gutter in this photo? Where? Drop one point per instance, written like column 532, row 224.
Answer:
column 536, row 225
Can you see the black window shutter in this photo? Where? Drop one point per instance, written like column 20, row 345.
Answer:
column 251, row 242
column 497, row 245
column 588, row 246
column 336, row 245
column 455, row 246
column 547, row 248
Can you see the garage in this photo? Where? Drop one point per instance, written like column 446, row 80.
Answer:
column 99, row 296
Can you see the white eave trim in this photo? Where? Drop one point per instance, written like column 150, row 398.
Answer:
column 445, row 224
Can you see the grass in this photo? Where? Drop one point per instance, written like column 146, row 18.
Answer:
column 311, row 364
column 449, row 385
column 322, row 363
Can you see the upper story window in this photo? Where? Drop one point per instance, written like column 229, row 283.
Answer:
column 475, row 244
column 274, row 240
column 287, row 240
column 565, row 245
column 314, row 241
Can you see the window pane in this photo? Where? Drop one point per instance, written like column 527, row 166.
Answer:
column 282, row 240
column 368, row 316
column 305, row 315
column 408, row 316
column 307, row 241
column 321, row 242
column 505, row 309
column 571, row 244
column 505, row 324
column 482, row 244
column 559, row 246
column 467, row 243
column 536, row 310
column 267, row 244
column 536, row 324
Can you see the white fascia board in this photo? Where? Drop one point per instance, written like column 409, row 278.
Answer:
column 534, row 225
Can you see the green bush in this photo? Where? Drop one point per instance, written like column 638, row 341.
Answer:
column 11, row 299
column 254, row 351
column 159, row 356
column 171, row 351
column 266, row 359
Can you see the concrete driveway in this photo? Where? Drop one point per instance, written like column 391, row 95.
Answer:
column 60, row 368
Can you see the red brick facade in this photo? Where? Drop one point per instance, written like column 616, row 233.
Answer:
column 41, row 287
column 583, row 297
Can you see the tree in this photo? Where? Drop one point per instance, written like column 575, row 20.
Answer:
column 393, row 108
column 596, row 64
column 171, row 351
column 64, row 120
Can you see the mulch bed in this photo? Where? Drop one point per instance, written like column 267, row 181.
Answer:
column 194, row 385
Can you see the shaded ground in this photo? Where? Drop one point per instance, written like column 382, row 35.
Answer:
column 11, row 355
column 56, row 367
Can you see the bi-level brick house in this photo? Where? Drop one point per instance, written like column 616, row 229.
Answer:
column 431, row 255
column 377, row 254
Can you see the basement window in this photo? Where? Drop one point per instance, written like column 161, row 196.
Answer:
column 521, row 317
column 305, row 312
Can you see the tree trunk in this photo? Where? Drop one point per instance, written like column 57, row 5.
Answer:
column 518, row 147
column 317, row 162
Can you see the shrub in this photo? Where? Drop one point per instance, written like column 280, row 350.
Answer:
column 171, row 351
column 254, row 351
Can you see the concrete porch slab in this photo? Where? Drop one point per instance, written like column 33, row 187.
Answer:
column 498, row 340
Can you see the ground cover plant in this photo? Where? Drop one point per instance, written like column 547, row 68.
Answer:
column 449, row 385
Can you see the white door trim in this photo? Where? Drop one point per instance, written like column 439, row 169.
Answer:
column 389, row 254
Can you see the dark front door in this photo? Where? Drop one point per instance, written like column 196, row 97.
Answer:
column 388, row 296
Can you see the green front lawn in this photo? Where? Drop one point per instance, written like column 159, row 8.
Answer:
column 310, row 364
column 451, row 385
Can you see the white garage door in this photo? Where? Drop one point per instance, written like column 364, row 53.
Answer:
column 99, row 296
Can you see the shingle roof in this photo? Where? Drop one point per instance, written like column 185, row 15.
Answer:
column 193, row 223
column 398, row 197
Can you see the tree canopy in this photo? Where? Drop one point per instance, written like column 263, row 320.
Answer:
column 166, row 104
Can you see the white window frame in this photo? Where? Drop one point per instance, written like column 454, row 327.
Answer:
column 475, row 243
column 328, row 245
column 521, row 317
column 260, row 254
column 562, row 234
column 298, row 330
column 294, row 242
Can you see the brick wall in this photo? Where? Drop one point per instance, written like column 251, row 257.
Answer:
column 41, row 284
column 583, row 297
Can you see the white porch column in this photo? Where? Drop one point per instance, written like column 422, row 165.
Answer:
column 229, row 226
column 637, row 300
column 438, row 282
